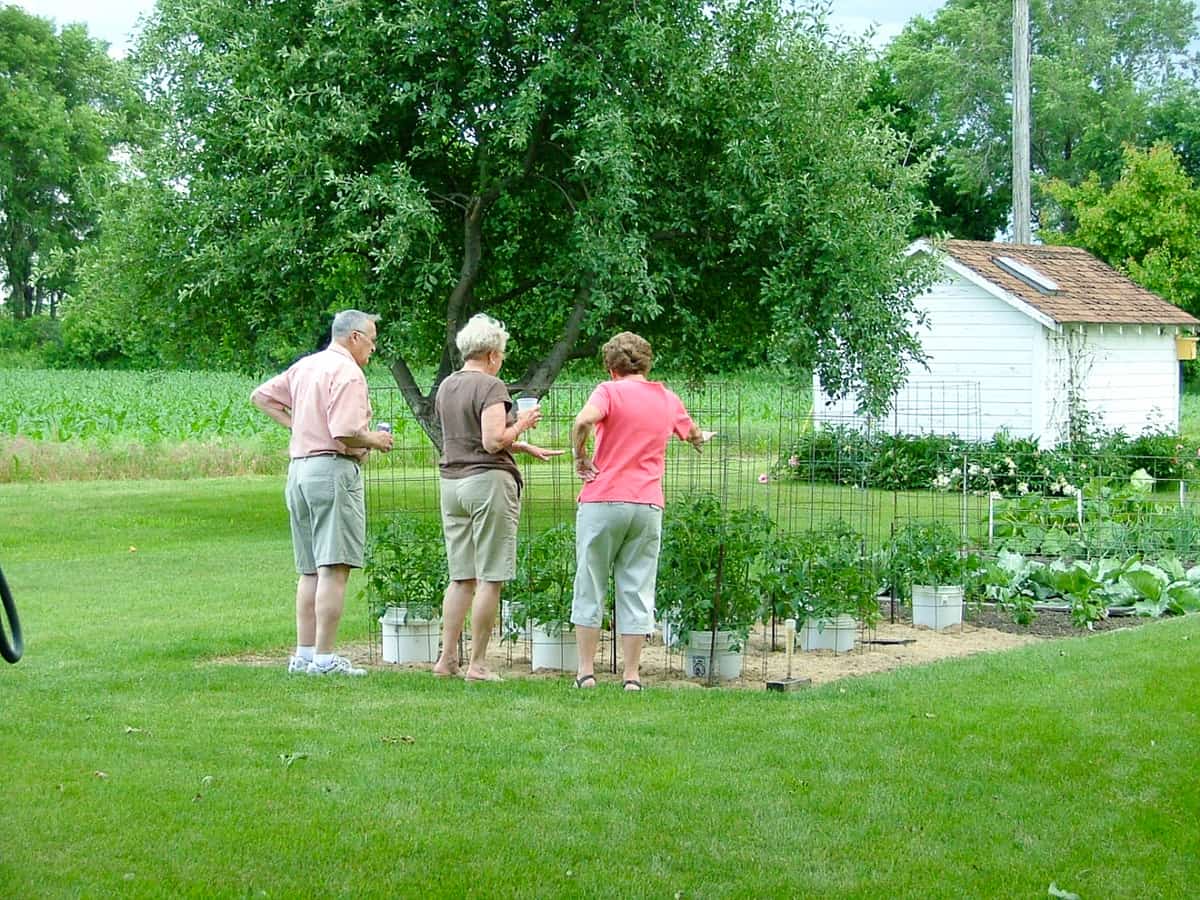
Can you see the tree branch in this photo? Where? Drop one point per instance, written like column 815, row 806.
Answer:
column 540, row 375
column 420, row 404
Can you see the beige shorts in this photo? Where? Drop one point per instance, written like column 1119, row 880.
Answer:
column 324, row 497
column 479, row 519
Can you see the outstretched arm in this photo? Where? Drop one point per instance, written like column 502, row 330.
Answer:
column 698, row 438
column 534, row 450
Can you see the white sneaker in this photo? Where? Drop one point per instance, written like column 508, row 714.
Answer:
column 339, row 665
column 297, row 665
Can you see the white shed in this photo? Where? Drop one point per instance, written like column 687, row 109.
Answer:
column 1018, row 335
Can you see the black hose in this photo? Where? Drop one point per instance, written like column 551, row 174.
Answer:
column 11, row 652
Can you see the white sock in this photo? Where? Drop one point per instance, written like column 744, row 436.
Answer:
column 323, row 659
column 305, row 653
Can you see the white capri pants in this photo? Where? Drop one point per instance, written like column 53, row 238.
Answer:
column 622, row 538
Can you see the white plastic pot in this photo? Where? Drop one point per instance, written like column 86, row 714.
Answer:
column 837, row 634
column 700, row 656
column 409, row 639
column 554, row 651
column 938, row 607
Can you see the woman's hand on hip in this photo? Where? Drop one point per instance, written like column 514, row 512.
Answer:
column 585, row 469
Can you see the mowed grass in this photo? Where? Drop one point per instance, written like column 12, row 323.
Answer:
column 134, row 764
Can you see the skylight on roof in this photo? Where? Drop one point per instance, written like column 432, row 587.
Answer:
column 1028, row 274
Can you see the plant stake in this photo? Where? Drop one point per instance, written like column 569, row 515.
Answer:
column 789, row 683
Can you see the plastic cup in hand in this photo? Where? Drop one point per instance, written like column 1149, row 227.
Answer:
column 384, row 426
column 525, row 404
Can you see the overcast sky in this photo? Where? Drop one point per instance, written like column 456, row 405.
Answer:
column 115, row 20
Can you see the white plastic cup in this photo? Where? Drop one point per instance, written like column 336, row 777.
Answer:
column 384, row 426
column 525, row 404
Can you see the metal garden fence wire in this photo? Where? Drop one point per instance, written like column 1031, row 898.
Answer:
column 808, row 472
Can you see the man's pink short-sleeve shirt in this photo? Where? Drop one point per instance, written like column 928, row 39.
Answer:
column 638, row 418
column 327, row 394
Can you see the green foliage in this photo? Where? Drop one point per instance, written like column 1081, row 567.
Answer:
column 1098, row 69
column 927, row 553
column 709, row 565
column 1090, row 588
column 62, row 111
column 406, row 567
column 1146, row 224
column 1034, row 523
column 28, row 334
column 1165, row 588
column 151, row 407
column 1004, row 464
column 1104, row 516
column 544, row 586
column 702, row 172
column 821, row 575
column 1008, row 584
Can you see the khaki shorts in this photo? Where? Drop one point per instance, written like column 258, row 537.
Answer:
column 324, row 497
column 479, row 519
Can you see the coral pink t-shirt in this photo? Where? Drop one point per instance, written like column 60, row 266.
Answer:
column 638, row 418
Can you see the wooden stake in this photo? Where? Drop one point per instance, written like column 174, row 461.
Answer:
column 789, row 683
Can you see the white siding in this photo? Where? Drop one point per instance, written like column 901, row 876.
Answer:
column 1132, row 377
column 992, row 367
column 981, row 354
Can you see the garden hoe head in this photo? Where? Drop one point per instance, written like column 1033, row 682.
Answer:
column 789, row 683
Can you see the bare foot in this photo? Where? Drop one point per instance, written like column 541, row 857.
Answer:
column 445, row 670
column 481, row 674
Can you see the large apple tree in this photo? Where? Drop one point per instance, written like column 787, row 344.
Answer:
column 702, row 172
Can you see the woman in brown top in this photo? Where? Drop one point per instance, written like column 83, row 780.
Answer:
column 480, row 490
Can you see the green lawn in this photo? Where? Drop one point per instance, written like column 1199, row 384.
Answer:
column 1067, row 762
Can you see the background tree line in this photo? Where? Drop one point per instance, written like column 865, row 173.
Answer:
column 731, row 179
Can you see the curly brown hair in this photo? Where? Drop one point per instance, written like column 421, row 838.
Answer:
column 628, row 354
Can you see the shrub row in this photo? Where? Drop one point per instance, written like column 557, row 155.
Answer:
column 1006, row 464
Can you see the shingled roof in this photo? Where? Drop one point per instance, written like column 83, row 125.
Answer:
column 1088, row 290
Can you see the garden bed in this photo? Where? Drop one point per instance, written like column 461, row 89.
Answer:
column 663, row 668
column 1050, row 623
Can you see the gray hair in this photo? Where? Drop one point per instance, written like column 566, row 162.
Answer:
column 480, row 336
column 349, row 320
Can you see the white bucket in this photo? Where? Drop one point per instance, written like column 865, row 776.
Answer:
column 409, row 639
column 837, row 634
column 555, row 651
column 698, row 656
column 939, row 607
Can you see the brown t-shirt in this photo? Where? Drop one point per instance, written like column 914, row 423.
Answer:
column 461, row 400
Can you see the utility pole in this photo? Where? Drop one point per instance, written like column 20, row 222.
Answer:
column 1021, row 211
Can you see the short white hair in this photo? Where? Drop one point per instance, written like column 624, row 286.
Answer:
column 481, row 336
column 350, row 320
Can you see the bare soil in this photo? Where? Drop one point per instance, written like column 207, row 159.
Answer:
column 890, row 645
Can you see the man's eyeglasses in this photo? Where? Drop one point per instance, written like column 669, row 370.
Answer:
column 367, row 336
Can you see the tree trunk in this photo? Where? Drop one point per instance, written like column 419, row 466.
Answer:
column 536, row 380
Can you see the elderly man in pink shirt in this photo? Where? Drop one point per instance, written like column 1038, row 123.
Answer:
column 618, row 525
column 323, row 400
